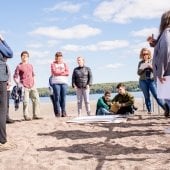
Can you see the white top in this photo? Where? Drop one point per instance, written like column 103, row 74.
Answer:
column 59, row 80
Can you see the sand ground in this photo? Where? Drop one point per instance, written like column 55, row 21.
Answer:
column 142, row 143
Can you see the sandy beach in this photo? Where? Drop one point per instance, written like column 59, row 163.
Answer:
column 143, row 142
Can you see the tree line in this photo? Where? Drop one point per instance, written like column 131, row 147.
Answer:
column 131, row 86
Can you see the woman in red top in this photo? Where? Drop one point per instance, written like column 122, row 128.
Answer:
column 59, row 81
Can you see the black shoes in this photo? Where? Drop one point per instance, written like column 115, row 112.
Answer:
column 10, row 120
column 135, row 108
column 36, row 117
column 166, row 108
column 61, row 115
column 64, row 114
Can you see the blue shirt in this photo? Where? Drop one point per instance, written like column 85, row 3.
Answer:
column 5, row 50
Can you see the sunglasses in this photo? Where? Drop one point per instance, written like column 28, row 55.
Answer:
column 145, row 54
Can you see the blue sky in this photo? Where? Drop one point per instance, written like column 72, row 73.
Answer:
column 107, row 33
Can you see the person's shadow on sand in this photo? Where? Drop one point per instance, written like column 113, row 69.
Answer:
column 102, row 150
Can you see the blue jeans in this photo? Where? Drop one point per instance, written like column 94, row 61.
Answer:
column 148, row 86
column 60, row 91
column 167, row 101
column 102, row 111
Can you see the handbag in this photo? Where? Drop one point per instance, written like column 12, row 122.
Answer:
column 115, row 107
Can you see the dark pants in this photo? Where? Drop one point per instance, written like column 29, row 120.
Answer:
column 53, row 102
column 8, row 95
column 60, row 91
column 3, row 111
column 125, row 110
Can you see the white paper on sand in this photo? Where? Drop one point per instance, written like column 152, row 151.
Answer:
column 163, row 89
column 167, row 130
column 99, row 119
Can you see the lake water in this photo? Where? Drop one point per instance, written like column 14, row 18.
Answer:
column 92, row 97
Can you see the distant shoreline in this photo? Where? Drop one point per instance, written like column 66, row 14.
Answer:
column 93, row 97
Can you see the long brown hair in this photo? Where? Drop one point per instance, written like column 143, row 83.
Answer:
column 165, row 22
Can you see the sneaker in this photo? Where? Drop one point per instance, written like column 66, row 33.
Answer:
column 36, row 117
column 135, row 108
column 27, row 118
column 10, row 120
column 7, row 146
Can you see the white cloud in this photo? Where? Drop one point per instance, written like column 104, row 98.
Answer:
column 66, row 7
column 123, row 11
column 39, row 54
column 43, row 62
column 100, row 46
column 52, row 43
column 75, row 32
column 145, row 32
column 40, row 57
column 135, row 49
column 35, row 45
column 114, row 66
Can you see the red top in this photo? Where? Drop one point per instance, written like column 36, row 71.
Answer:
column 26, row 74
column 59, row 69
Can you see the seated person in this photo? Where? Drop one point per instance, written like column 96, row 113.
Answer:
column 103, row 104
column 124, row 100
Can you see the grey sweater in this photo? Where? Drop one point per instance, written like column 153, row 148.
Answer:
column 161, row 58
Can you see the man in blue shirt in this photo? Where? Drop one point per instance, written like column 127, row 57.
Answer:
column 5, row 52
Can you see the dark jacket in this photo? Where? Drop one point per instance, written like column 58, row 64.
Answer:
column 127, row 99
column 17, row 96
column 5, row 52
column 82, row 77
column 146, row 73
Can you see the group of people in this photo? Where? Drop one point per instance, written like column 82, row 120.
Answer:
column 154, row 72
column 81, row 82
column 24, row 77
column 149, row 71
column 122, row 103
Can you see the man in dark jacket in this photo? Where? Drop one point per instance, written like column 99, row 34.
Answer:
column 124, row 100
column 5, row 52
column 81, row 81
